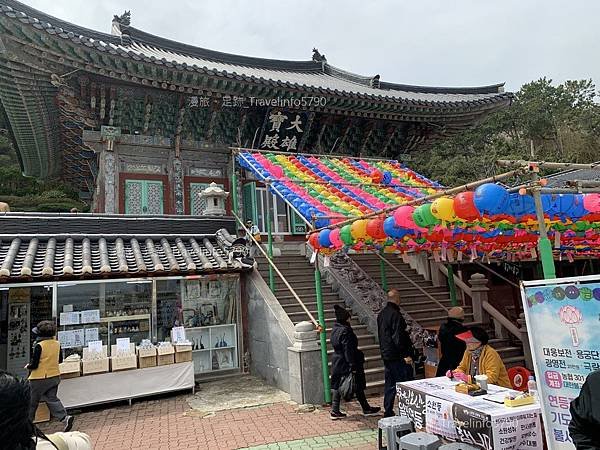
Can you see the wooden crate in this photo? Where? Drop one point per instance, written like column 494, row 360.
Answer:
column 100, row 365
column 166, row 355
column 42, row 413
column 146, row 357
column 123, row 362
column 183, row 353
column 70, row 369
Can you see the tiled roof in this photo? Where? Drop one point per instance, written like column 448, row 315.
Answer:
column 315, row 75
column 75, row 246
column 560, row 179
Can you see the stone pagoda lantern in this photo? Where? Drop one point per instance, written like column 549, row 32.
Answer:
column 214, row 198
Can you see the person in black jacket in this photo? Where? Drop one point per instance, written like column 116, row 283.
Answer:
column 396, row 349
column 347, row 358
column 452, row 348
column 585, row 415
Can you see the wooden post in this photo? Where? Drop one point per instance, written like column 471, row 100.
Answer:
column 479, row 291
column 525, row 340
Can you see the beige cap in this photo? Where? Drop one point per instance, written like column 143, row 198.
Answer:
column 456, row 313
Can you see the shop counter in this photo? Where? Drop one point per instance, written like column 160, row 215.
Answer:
column 126, row 385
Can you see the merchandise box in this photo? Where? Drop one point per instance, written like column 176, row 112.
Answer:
column 183, row 353
column 99, row 365
column 123, row 362
column 86, row 351
column 166, row 355
column 70, row 369
column 146, row 357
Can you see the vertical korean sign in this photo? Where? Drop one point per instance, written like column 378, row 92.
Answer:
column 563, row 321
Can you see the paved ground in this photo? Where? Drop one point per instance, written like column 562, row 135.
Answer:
column 170, row 423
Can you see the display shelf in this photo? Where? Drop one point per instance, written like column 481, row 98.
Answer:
column 125, row 318
column 214, row 359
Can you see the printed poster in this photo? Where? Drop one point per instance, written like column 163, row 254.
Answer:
column 439, row 418
column 563, row 318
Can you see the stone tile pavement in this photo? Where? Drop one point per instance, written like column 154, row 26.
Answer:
column 169, row 423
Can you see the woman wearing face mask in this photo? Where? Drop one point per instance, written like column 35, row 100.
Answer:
column 481, row 359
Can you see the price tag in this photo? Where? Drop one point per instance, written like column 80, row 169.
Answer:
column 123, row 345
column 91, row 334
column 95, row 346
column 178, row 335
column 90, row 316
column 69, row 318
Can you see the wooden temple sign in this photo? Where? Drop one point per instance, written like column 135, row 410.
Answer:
column 283, row 130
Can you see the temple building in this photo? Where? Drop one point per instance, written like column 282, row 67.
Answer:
column 140, row 124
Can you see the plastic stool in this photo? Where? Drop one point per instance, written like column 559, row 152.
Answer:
column 420, row 441
column 458, row 446
column 394, row 427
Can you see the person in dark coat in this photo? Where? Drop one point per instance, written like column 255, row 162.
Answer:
column 451, row 347
column 347, row 358
column 396, row 349
column 585, row 415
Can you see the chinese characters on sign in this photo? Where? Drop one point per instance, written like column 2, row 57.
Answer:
column 283, row 131
column 564, row 335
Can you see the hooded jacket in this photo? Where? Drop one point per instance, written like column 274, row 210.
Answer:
column 490, row 364
column 585, row 415
column 394, row 340
column 346, row 356
column 451, row 347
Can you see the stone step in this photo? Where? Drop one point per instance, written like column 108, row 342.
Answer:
column 290, row 299
column 438, row 319
column 371, row 362
column 312, row 306
column 425, row 302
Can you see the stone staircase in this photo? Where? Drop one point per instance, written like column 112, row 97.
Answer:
column 300, row 274
column 424, row 310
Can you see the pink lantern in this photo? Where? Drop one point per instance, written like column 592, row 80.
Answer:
column 591, row 202
column 403, row 216
column 335, row 238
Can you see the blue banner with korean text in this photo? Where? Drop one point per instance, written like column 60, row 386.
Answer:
column 563, row 322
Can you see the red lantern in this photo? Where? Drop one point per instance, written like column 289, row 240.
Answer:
column 464, row 206
column 313, row 240
column 375, row 229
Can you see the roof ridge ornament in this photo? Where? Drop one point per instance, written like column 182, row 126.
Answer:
column 120, row 25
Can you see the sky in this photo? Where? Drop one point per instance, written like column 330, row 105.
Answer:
column 423, row 42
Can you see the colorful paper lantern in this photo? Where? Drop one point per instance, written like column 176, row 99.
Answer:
column 335, row 238
column 359, row 229
column 324, row 240
column 375, row 229
column 346, row 235
column 591, row 202
column 465, row 208
column 403, row 216
column 313, row 240
column 490, row 198
column 423, row 217
column 443, row 209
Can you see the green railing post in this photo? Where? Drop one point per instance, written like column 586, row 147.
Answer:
column 268, row 214
column 544, row 244
column 452, row 285
column 322, row 334
column 384, row 284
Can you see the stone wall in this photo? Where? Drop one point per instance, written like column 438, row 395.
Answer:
column 270, row 333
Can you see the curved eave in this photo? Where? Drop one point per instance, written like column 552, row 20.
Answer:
column 135, row 46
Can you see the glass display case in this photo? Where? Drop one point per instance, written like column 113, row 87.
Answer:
column 103, row 311
column 214, row 348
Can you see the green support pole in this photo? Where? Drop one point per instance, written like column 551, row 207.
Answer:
column 544, row 244
column 268, row 214
column 234, row 187
column 384, row 284
column 452, row 285
column 322, row 334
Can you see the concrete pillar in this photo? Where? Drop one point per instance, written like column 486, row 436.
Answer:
column 479, row 294
column 525, row 340
column 304, row 359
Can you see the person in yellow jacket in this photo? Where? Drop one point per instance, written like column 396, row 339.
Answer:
column 44, row 374
column 481, row 359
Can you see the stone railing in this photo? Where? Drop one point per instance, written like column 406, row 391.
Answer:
column 365, row 296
